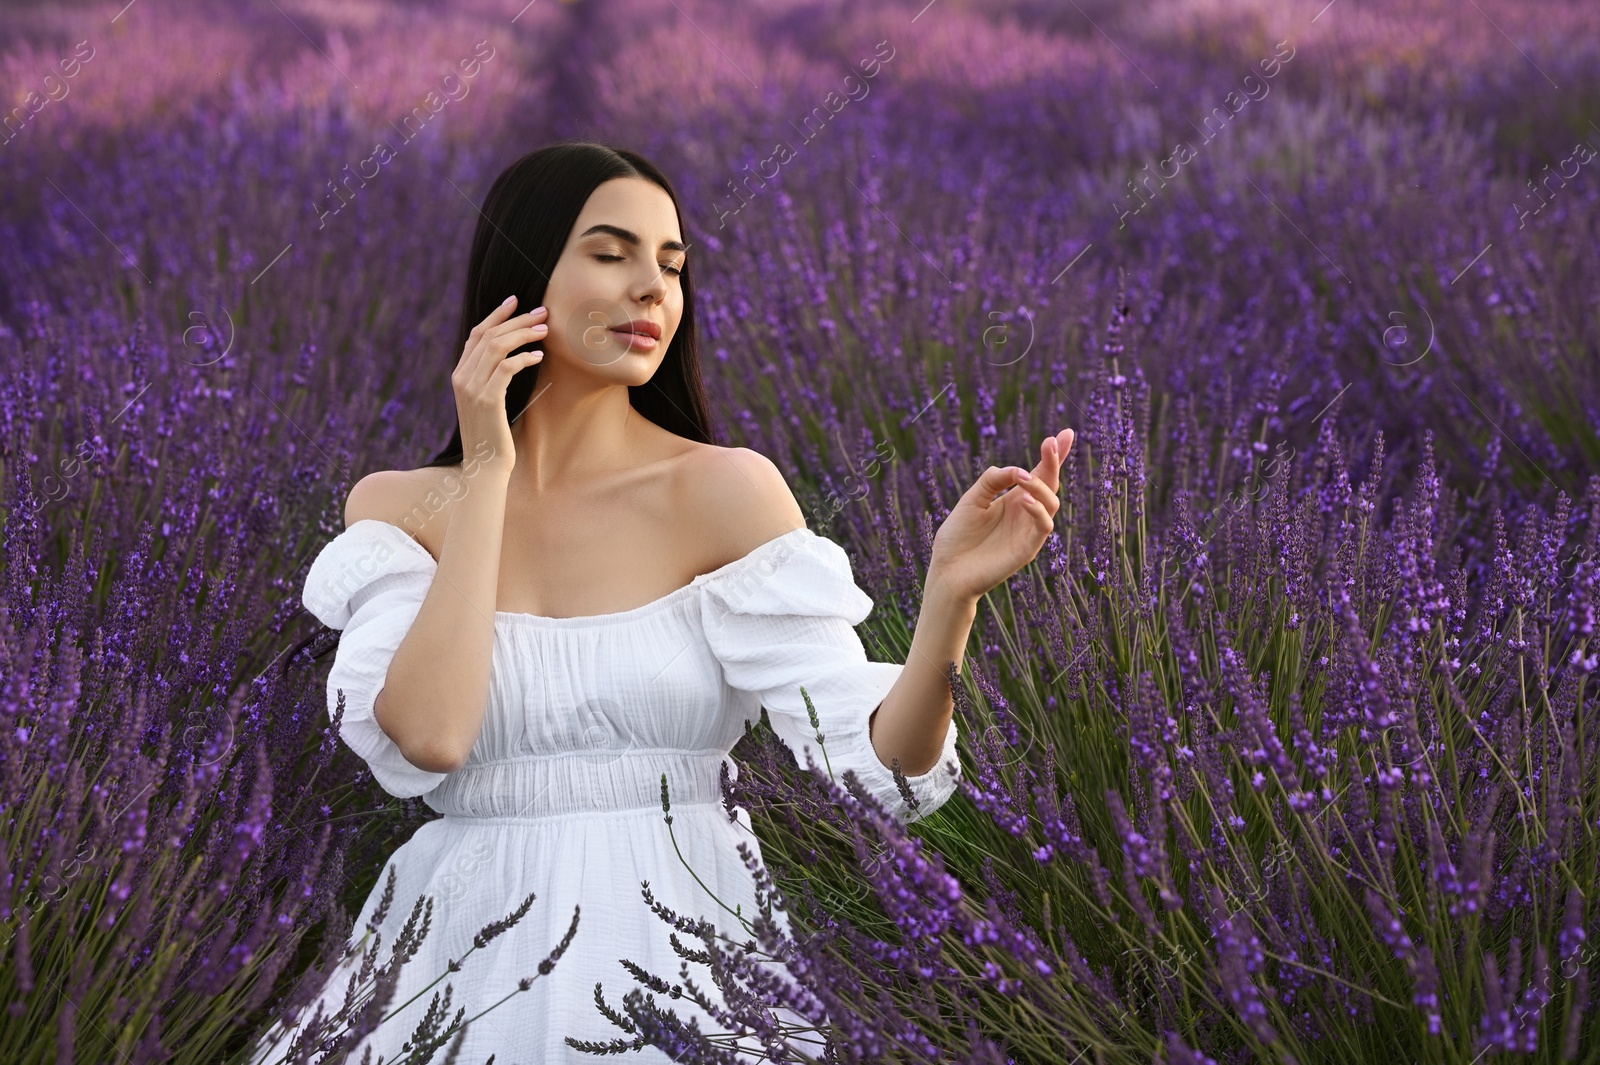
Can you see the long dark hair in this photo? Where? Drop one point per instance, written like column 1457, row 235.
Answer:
column 523, row 225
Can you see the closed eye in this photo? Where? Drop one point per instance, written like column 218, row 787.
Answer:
column 668, row 267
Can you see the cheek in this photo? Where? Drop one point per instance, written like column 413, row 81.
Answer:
column 569, row 286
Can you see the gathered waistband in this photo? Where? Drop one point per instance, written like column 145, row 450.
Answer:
column 574, row 783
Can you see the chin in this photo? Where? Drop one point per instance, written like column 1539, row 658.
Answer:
column 646, row 372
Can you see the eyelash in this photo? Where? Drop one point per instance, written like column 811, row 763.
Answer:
column 674, row 271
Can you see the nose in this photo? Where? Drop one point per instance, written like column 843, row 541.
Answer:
column 654, row 286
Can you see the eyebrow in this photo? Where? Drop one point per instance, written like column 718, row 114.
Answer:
column 631, row 237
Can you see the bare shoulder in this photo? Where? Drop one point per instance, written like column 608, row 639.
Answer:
column 392, row 495
column 738, row 497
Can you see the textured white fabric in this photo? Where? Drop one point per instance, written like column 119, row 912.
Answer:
column 561, row 794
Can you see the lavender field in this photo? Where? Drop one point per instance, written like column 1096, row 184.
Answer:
column 1286, row 748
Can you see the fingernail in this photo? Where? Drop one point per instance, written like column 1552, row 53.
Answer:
column 507, row 300
column 1025, row 475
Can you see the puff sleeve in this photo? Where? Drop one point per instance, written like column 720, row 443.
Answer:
column 370, row 581
column 784, row 616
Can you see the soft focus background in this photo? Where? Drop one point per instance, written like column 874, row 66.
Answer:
column 1284, row 749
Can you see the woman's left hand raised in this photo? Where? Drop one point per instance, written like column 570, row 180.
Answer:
column 988, row 536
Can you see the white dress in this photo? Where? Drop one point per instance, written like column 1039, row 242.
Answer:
column 561, row 794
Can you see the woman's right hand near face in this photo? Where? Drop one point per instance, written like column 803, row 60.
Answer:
column 482, row 374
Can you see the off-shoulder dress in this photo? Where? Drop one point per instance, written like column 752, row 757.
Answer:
column 561, row 794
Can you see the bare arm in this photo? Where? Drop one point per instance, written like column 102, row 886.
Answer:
column 433, row 699
column 915, row 715
column 996, row 528
column 437, row 688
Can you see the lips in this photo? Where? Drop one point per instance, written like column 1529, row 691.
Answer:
column 642, row 326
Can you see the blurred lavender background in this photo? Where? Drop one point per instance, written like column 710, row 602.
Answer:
column 1284, row 749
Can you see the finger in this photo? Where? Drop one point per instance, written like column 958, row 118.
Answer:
column 495, row 345
column 515, row 364
column 1048, row 464
column 1064, row 441
column 1052, row 452
column 513, row 334
column 539, row 315
column 497, row 330
column 991, row 482
column 498, row 315
column 1037, row 499
column 1039, row 496
column 474, row 347
column 1047, row 474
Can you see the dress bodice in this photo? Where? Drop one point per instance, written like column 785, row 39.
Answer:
column 586, row 713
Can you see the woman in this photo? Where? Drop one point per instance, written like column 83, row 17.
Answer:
column 593, row 595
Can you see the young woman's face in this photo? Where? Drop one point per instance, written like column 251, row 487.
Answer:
column 620, row 265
